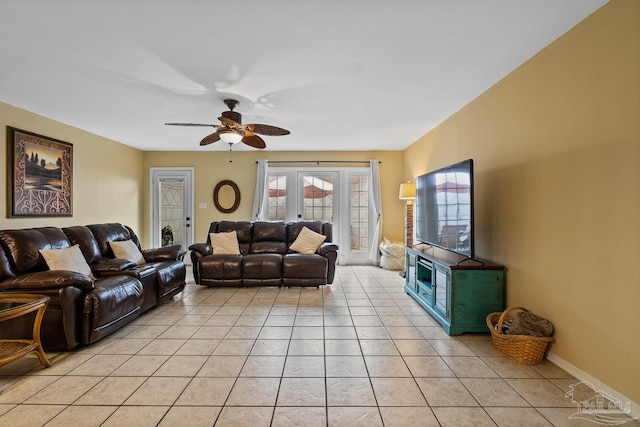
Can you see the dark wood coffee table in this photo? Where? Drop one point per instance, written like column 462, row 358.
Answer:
column 14, row 305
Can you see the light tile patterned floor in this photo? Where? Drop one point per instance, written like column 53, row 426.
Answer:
column 357, row 353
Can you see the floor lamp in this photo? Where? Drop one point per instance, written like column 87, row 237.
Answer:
column 408, row 193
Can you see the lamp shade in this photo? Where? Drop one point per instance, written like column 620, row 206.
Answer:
column 407, row 191
column 231, row 137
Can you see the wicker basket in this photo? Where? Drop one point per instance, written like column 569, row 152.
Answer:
column 526, row 349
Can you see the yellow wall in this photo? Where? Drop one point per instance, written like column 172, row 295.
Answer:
column 213, row 167
column 107, row 177
column 556, row 146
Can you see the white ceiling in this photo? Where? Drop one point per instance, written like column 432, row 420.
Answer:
column 339, row 74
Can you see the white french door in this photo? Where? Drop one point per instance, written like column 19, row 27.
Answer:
column 336, row 195
column 172, row 207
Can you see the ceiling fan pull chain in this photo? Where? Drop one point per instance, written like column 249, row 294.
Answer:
column 230, row 145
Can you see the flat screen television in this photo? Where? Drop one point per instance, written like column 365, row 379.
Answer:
column 444, row 208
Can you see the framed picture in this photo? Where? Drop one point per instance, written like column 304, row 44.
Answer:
column 40, row 177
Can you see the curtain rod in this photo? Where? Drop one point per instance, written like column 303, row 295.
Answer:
column 319, row 161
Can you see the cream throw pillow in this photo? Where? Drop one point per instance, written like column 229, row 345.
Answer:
column 70, row 259
column 225, row 243
column 307, row 241
column 126, row 249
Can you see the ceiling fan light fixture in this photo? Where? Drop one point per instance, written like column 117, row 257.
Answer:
column 231, row 136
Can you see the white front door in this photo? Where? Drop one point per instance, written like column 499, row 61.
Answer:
column 172, row 207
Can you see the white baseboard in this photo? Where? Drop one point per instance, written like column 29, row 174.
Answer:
column 584, row 376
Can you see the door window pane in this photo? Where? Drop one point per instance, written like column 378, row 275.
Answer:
column 359, row 213
column 172, row 212
column 317, row 198
column 277, row 198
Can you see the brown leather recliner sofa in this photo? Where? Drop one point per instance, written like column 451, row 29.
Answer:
column 82, row 309
column 265, row 257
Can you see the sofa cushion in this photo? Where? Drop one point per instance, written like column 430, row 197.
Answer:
column 148, row 275
column 81, row 235
column 268, row 248
column 269, row 232
column 307, row 241
column 304, row 270
column 262, row 270
column 110, row 232
column 127, row 249
column 70, row 259
column 269, row 238
column 115, row 301
column 22, row 247
column 221, row 270
column 225, row 243
column 170, row 276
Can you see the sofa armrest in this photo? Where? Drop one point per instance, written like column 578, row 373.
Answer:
column 198, row 250
column 48, row 280
column 330, row 252
column 203, row 249
column 109, row 265
column 164, row 253
column 326, row 248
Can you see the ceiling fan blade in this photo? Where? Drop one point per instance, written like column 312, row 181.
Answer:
column 210, row 139
column 267, row 130
column 229, row 122
column 253, row 140
column 190, row 124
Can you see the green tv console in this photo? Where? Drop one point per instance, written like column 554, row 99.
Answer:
column 458, row 292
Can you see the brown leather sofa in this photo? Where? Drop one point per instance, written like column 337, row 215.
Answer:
column 162, row 276
column 82, row 309
column 265, row 257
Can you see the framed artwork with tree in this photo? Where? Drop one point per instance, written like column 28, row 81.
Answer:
column 40, row 175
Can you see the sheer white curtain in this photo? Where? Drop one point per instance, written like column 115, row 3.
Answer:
column 376, row 203
column 258, row 213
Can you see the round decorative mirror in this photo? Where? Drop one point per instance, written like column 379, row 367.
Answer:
column 226, row 196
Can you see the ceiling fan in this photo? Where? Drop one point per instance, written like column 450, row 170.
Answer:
column 233, row 131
